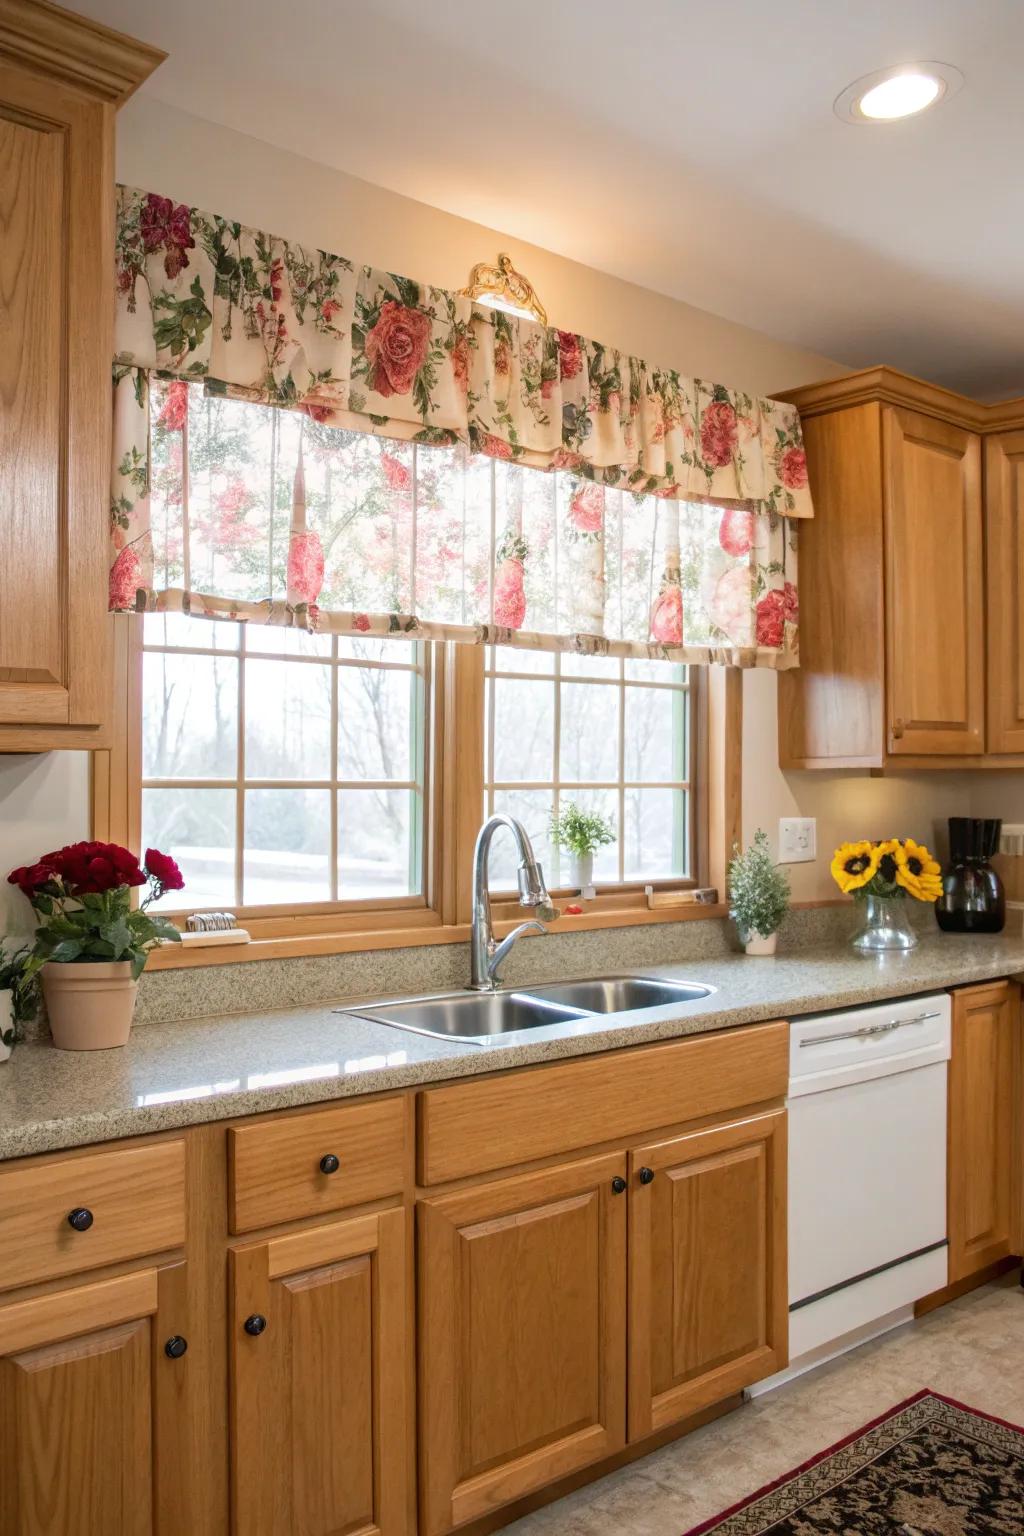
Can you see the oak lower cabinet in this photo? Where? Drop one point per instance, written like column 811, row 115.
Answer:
column 83, row 1375
column 522, row 1335
column 319, row 1427
column 983, row 1133
column 708, row 1303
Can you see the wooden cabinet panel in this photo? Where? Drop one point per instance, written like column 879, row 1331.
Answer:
column 934, row 586
column 516, row 1117
column 275, row 1167
column 134, row 1194
column 56, row 253
column 708, row 1296
column 1004, row 544
column 318, row 1397
column 982, row 1126
column 522, row 1336
column 76, row 1411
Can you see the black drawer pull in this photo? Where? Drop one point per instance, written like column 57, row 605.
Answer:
column 618, row 1185
column 329, row 1163
column 175, row 1347
column 80, row 1218
column 255, row 1325
column 646, row 1175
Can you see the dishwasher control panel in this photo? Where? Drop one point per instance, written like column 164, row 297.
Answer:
column 858, row 1044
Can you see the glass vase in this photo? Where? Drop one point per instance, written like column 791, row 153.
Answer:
column 884, row 926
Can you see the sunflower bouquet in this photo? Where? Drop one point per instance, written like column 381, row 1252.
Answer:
column 890, row 868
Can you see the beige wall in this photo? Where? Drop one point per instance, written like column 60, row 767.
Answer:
column 44, row 801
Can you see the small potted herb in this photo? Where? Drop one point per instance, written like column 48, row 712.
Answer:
column 580, row 835
column 91, row 945
column 16, row 996
column 759, row 896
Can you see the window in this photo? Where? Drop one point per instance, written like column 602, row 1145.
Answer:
column 613, row 736
column 283, row 769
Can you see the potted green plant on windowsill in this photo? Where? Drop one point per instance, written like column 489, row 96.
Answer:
column 17, row 996
column 91, row 944
column 580, row 834
column 759, row 896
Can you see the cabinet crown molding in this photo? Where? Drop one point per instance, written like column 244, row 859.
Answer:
column 63, row 46
column 890, row 387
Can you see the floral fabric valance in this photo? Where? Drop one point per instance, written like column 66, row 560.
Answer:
column 665, row 487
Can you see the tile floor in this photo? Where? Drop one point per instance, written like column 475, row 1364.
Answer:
column 972, row 1350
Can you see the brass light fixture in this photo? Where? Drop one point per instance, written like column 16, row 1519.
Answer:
column 502, row 287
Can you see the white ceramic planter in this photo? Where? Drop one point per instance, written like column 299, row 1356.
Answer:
column 758, row 944
column 6, row 1024
column 581, row 870
column 89, row 1006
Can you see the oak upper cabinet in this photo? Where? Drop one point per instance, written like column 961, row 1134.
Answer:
column 1004, row 528
column 707, row 1268
column 983, row 1133
column 61, row 78
column 80, row 1374
column 522, row 1335
column 320, row 1433
column 892, row 594
column 934, row 587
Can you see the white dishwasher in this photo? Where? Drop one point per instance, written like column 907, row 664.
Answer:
column 867, row 1170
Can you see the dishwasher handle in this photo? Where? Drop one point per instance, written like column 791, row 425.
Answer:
column 870, row 1031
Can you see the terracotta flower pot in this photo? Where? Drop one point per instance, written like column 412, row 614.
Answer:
column 90, row 1006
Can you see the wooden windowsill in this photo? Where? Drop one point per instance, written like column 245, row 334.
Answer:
column 174, row 957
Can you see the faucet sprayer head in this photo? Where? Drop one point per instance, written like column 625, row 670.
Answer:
column 533, row 892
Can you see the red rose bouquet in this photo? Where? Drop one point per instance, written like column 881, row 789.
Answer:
column 82, row 896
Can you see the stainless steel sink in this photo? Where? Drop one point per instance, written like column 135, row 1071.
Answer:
column 619, row 994
column 544, row 1012
column 475, row 1017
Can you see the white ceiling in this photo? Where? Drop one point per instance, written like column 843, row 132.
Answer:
column 688, row 147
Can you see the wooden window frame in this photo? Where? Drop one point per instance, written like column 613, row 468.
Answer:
column 453, row 798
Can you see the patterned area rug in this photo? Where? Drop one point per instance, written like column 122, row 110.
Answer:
column 928, row 1467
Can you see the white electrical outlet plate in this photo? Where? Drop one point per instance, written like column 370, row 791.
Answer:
column 796, row 839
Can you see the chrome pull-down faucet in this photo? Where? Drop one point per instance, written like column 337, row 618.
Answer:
column 486, row 954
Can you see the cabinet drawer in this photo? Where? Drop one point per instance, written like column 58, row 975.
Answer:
column 516, row 1117
column 280, row 1169
column 135, row 1197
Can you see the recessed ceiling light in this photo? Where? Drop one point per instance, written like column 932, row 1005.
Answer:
column 902, row 91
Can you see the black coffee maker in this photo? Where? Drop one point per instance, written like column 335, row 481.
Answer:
column 972, row 900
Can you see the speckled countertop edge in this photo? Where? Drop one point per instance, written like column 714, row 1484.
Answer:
column 179, row 1074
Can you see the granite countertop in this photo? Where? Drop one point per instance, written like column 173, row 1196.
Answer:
column 178, row 1074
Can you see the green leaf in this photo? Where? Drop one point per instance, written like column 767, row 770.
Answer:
column 138, row 963
column 66, row 951
column 118, row 935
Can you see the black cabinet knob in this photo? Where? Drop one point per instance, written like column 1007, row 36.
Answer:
column 80, row 1218
column 618, row 1185
column 255, row 1325
column 646, row 1175
column 329, row 1163
column 175, row 1347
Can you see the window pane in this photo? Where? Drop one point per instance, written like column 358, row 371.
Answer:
column 533, row 808
column 508, row 658
column 590, row 666
column 655, row 834
column 378, row 723
column 197, row 828
column 590, row 732
column 524, row 729
column 181, row 629
column 269, row 640
column 379, row 843
column 655, row 671
column 287, row 846
column 287, row 720
column 189, row 716
column 377, row 648
column 655, row 734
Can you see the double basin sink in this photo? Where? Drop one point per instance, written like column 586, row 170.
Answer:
column 560, row 1009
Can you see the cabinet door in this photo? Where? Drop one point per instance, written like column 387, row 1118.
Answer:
column 319, row 1427
column 1004, row 543
column 78, row 1371
column 56, row 255
column 522, row 1335
column 708, row 1305
column 934, row 587
column 982, row 1129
